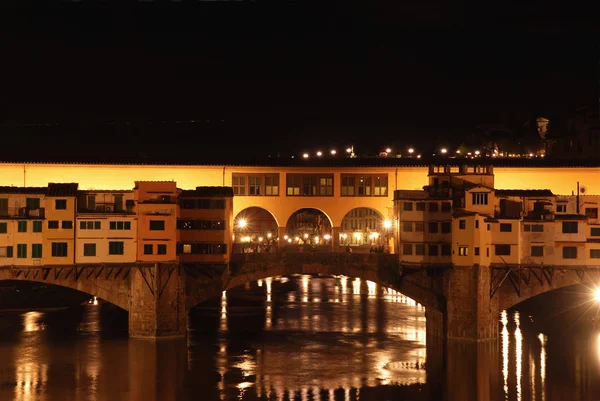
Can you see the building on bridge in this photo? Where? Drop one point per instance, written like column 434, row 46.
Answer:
column 460, row 219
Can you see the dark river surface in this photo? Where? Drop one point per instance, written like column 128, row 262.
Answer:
column 302, row 338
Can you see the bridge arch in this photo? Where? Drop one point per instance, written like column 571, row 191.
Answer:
column 310, row 226
column 364, row 226
column 117, row 293
column 255, row 224
column 379, row 269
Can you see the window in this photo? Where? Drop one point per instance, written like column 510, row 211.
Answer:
column 4, row 228
column 201, row 248
column 91, row 202
column 476, row 251
column 3, row 206
column 37, row 226
column 569, row 252
column 89, row 225
column 419, row 227
column 116, row 248
column 364, row 185
column 32, row 203
column 433, row 227
column 60, row 204
column 538, row 228
column 594, row 231
column 36, row 251
column 348, row 185
column 487, row 252
column 462, row 224
column 187, row 203
column 22, row 226
column 537, row 250
column 463, row 251
column 433, row 207
column 488, row 227
column 446, row 206
column 60, row 249
column 569, row 227
column 479, row 198
column 21, row 251
column 157, row 225
column 503, row 250
column 309, row 184
column 53, row 224
column 591, row 212
column 476, row 223
column 505, row 227
column 446, row 249
column 408, row 206
column 119, row 225
column 407, row 249
column 561, row 208
column 446, row 227
column 420, row 249
column 594, row 253
column 407, row 227
column 161, row 249
column 89, row 249
column 148, row 249
column 420, row 206
column 432, row 250
column 67, row 224
column 254, row 185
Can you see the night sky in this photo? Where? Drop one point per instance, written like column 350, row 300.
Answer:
column 113, row 78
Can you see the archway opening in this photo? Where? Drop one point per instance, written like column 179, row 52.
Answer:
column 255, row 230
column 309, row 229
column 365, row 230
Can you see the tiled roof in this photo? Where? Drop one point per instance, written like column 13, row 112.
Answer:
column 524, row 192
column 24, row 190
column 55, row 189
column 217, row 192
column 569, row 217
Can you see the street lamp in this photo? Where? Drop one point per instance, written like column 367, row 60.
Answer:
column 444, row 151
column 333, row 151
column 411, row 151
column 388, row 150
column 387, row 224
column 242, row 223
column 305, row 155
column 319, row 153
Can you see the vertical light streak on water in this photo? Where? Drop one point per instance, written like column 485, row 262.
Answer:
column 519, row 355
column 532, row 374
column 505, row 344
column 223, row 326
column 543, row 365
column 356, row 286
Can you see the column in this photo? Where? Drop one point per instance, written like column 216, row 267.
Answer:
column 335, row 240
column 157, row 302
column 470, row 313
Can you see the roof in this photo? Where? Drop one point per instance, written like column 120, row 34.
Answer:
column 222, row 161
column 207, row 192
column 410, row 194
column 24, row 190
column 524, row 192
column 69, row 189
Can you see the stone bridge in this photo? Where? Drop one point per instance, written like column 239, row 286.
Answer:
column 461, row 302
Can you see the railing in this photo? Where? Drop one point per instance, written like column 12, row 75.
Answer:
column 23, row 213
column 315, row 257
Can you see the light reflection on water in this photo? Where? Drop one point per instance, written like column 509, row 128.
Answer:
column 266, row 342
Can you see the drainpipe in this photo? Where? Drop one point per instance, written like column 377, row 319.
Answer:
column 224, row 167
column 24, row 175
column 396, row 180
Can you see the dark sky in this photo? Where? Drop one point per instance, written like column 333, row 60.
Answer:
column 259, row 77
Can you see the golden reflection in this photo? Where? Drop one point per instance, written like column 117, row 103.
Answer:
column 543, row 364
column 269, row 281
column 31, row 377
column 532, row 374
column 305, row 280
column 259, row 282
column 222, row 364
column 518, row 354
column 505, row 344
column 372, row 289
column 31, row 322
column 598, row 346
column 223, row 325
column 356, row 286
column 344, row 284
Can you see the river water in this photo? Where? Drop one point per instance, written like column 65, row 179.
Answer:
column 302, row 338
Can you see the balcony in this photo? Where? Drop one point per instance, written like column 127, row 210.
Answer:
column 22, row 213
column 108, row 208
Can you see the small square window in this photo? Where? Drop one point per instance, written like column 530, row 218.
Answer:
column 60, row 204
column 462, row 224
column 161, row 249
column 148, row 249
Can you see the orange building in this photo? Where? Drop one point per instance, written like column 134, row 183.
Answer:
column 205, row 227
column 157, row 209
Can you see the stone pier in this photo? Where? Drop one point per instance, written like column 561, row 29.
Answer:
column 158, row 302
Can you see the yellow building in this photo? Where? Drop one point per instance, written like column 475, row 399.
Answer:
column 205, row 227
column 494, row 227
column 106, row 227
column 59, row 232
column 156, row 204
column 22, row 225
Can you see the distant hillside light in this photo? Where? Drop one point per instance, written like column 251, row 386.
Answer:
column 477, row 152
column 444, row 151
column 333, row 151
column 411, row 151
column 458, row 152
column 388, row 150
column 305, row 155
column 319, row 153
